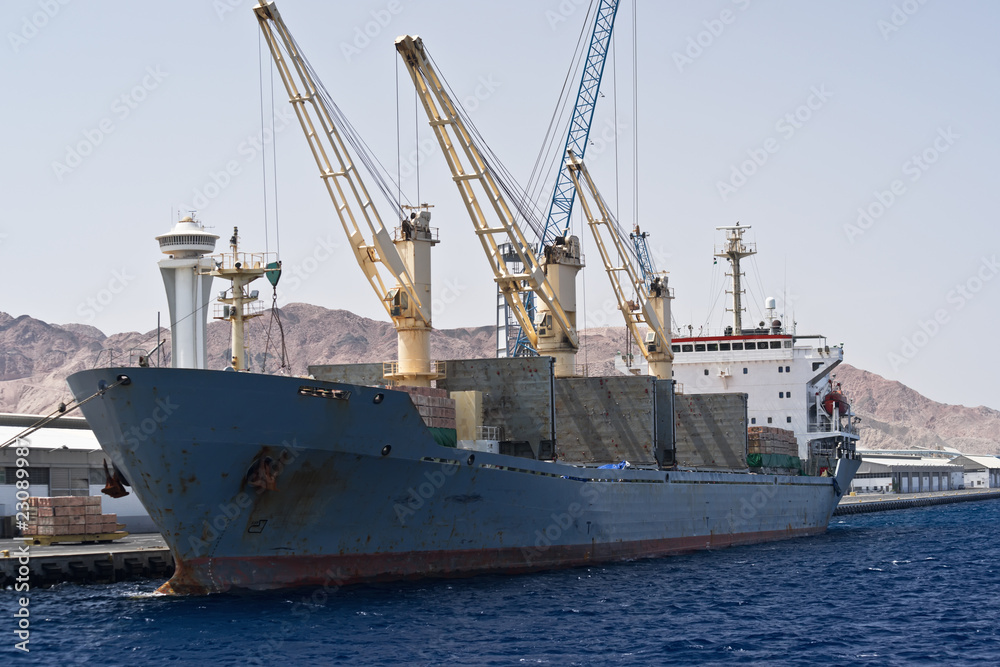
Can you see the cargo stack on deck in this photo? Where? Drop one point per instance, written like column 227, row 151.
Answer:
column 70, row 519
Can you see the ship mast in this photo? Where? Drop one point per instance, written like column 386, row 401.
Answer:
column 734, row 250
column 241, row 269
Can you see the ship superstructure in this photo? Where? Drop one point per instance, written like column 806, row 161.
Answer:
column 787, row 377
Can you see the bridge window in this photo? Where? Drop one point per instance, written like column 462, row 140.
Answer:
column 675, row 348
column 724, row 347
column 751, row 345
column 699, row 348
column 737, row 346
column 775, row 344
column 713, row 347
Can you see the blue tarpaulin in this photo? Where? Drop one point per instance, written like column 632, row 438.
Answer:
column 615, row 466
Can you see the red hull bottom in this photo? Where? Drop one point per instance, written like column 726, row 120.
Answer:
column 214, row 575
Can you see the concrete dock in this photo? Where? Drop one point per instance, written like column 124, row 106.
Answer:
column 882, row 502
column 135, row 556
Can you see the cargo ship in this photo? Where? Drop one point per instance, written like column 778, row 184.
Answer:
column 263, row 481
column 433, row 468
column 259, row 481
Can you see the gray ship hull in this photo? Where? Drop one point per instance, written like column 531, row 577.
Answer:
column 263, row 482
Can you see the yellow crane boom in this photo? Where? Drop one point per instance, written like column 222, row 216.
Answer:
column 406, row 256
column 336, row 167
column 651, row 306
column 553, row 281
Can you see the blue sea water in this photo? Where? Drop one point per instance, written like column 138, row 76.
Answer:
column 910, row 587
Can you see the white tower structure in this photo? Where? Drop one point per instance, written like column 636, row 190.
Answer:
column 189, row 289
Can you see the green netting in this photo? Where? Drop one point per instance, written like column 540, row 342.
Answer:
column 446, row 437
column 773, row 461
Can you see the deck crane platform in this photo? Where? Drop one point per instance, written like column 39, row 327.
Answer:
column 561, row 207
column 651, row 306
column 405, row 254
column 553, row 278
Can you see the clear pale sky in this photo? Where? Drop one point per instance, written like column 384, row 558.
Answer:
column 884, row 106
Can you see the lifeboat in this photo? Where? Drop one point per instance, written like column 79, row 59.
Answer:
column 835, row 398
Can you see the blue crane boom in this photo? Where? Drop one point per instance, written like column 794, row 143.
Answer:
column 557, row 222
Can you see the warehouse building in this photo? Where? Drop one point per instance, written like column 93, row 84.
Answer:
column 889, row 473
column 981, row 472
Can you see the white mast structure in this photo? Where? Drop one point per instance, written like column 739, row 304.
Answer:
column 189, row 289
column 735, row 250
column 241, row 269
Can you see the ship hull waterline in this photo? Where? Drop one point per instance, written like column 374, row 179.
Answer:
column 355, row 489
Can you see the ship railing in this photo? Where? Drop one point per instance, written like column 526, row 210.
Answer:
column 580, row 370
column 488, row 433
column 222, row 311
column 438, row 369
column 132, row 357
column 428, row 234
column 830, row 427
column 246, row 260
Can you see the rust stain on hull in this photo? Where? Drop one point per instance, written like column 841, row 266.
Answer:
column 215, row 575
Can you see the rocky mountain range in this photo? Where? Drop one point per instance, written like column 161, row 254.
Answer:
column 36, row 357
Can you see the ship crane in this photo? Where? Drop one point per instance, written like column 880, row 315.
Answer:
column 553, row 278
column 557, row 223
column 651, row 306
column 403, row 256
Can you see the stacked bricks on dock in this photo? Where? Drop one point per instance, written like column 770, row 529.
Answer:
column 434, row 405
column 68, row 515
column 770, row 440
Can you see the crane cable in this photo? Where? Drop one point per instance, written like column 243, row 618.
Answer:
column 384, row 181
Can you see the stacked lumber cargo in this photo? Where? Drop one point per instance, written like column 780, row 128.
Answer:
column 68, row 515
column 770, row 440
column 434, row 405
